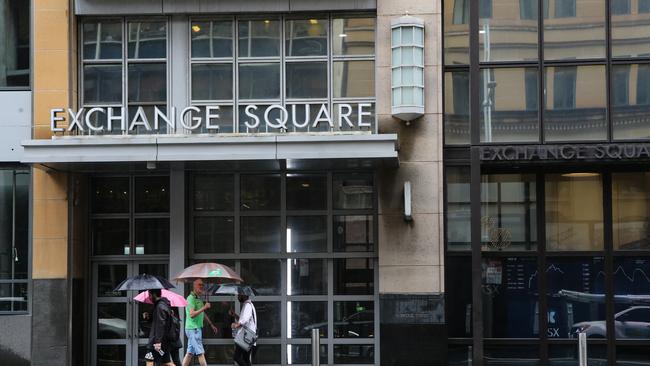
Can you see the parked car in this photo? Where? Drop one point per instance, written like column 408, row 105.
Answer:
column 633, row 322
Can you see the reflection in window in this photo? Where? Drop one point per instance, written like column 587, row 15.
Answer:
column 458, row 295
column 353, row 79
column 505, row 115
column 305, row 316
column 260, row 234
column 631, row 210
column 461, row 11
column 354, row 354
column 212, row 39
column 307, row 276
column 575, row 103
column 632, row 356
column 213, row 192
column 15, row 27
column 511, row 355
column 298, row 354
column 148, row 82
column 102, row 83
column 152, row 194
column 111, row 237
column 268, row 313
column 151, row 236
column 508, row 217
column 629, row 112
column 510, row 297
column 354, row 276
column 307, row 234
column 306, row 192
column 259, row 38
column 353, row 233
column 574, row 29
column 260, row 192
column 306, row 37
column 110, row 195
column 456, row 100
column 576, row 300
column 574, row 211
column 456, row 32
column 458, row 208
column 620, row 7
column 214, row 234
column 212, row 81
column 504, row 35
column 354, row 319
column 147, row 39
column 102, row 40
column 353, row 36
column 259, row 81
column 353, row 191
column 306, row 80
column 632, row 297
column 263, row 275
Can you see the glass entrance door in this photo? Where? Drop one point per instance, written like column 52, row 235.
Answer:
column 120, row 325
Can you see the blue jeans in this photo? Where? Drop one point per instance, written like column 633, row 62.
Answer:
column 194, row 341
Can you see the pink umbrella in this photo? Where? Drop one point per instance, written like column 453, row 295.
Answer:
column 175, row 299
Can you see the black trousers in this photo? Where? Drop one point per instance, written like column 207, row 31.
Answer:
column 175, row 357
column 243, row 358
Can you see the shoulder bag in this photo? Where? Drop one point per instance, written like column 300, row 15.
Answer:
column 246, row 338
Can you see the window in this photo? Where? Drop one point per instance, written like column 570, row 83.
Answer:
column 504, row 36
column 485, row 9
column 504, row 116
column 631, row 280
column 620, row 85
column 643, row 85
column 456, row 100
column 14, row 242
column 528, row 9
column 461, row 11
column 456, row 32
column 644, row 6
column 575, row 103
column 458, row 208
column 586, row 27
column 15, row 27
column 305, row 242
column 629, row 111
column 574, row 211
column 532, row 89
column 620, row 7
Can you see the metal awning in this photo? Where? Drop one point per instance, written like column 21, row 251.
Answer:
column 70, row 151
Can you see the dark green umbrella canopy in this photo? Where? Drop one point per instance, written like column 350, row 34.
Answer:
column 232, row 289
column 143, row 282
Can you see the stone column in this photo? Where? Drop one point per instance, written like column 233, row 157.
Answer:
column 411, row 254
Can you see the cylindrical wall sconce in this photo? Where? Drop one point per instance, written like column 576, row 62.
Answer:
column 407, row 63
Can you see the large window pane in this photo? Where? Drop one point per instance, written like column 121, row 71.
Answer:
column 631, row 210
column 151, row 236
column 306, row 80
column 307, row 277
column 212, row 38
column 456, row 32
column 307, row 315
column 300, row 354
column 269, row 316
column 576, row 288
column 147, row 83
column 102, row 40
column 306, row 37
column 508, row 217
column 6, row 223
column 510, row 300
column 219, row 354
column 632, row 356
column 628, row 28
column 574, row 29
column 214, row 234
column 574, row 211
column 260, row 192
column 111, row 237
column 506, row 35
column 575, row 103
column 307, row 234
column 353, row 36
column 110, row 195
column 511, row 355
column 306, row 192
column 567, row 355
column 354, row 276
column 267, row 354
column 354, row 354
column 111, row 321
column 102, row 84
column 631, row 297
column 259, row 38
column 354, row 233
column 458, row 208
column 13, row 296
column 15, row 43
column 108, row 277
column 147, row 39
column 212, row 82
column 263, row 275
column 353, row 79
column 152, row 194
column 354, row 319
column 22, row 211
column 456, row 100
column 353, row 191
column 214, row 192
column 506, row 114
column 631, row 101
column 260, row 234
column 458, row 296
column 259, row 81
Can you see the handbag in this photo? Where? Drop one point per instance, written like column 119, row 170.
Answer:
column 246, row 338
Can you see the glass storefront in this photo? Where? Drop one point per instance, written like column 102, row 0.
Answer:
column 304, row 240
column 585, row 272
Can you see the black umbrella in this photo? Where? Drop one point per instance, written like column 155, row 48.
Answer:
column 143, row 282
column 232, row 289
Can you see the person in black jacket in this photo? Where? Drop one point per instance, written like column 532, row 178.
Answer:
column 160, row 336
column 175, row 343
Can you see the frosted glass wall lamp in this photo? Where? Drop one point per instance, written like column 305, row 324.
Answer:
column 407, row 83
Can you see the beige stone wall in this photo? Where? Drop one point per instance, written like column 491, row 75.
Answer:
column 411, row 255
column 54, row 87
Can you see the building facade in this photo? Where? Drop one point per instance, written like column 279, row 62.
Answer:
column 546, row 156
column 259, row 134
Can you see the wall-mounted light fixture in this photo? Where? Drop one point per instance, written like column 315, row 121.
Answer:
column 408, row 202
column 407, row 68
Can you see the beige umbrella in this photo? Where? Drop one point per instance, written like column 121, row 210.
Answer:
column 212, row 272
